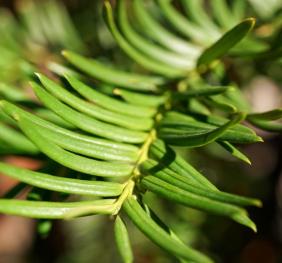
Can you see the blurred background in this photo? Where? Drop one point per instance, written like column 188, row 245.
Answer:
column 90, row 239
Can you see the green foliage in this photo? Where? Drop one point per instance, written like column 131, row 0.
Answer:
column 113, row 128
column 229, row 39
column 123, row 241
